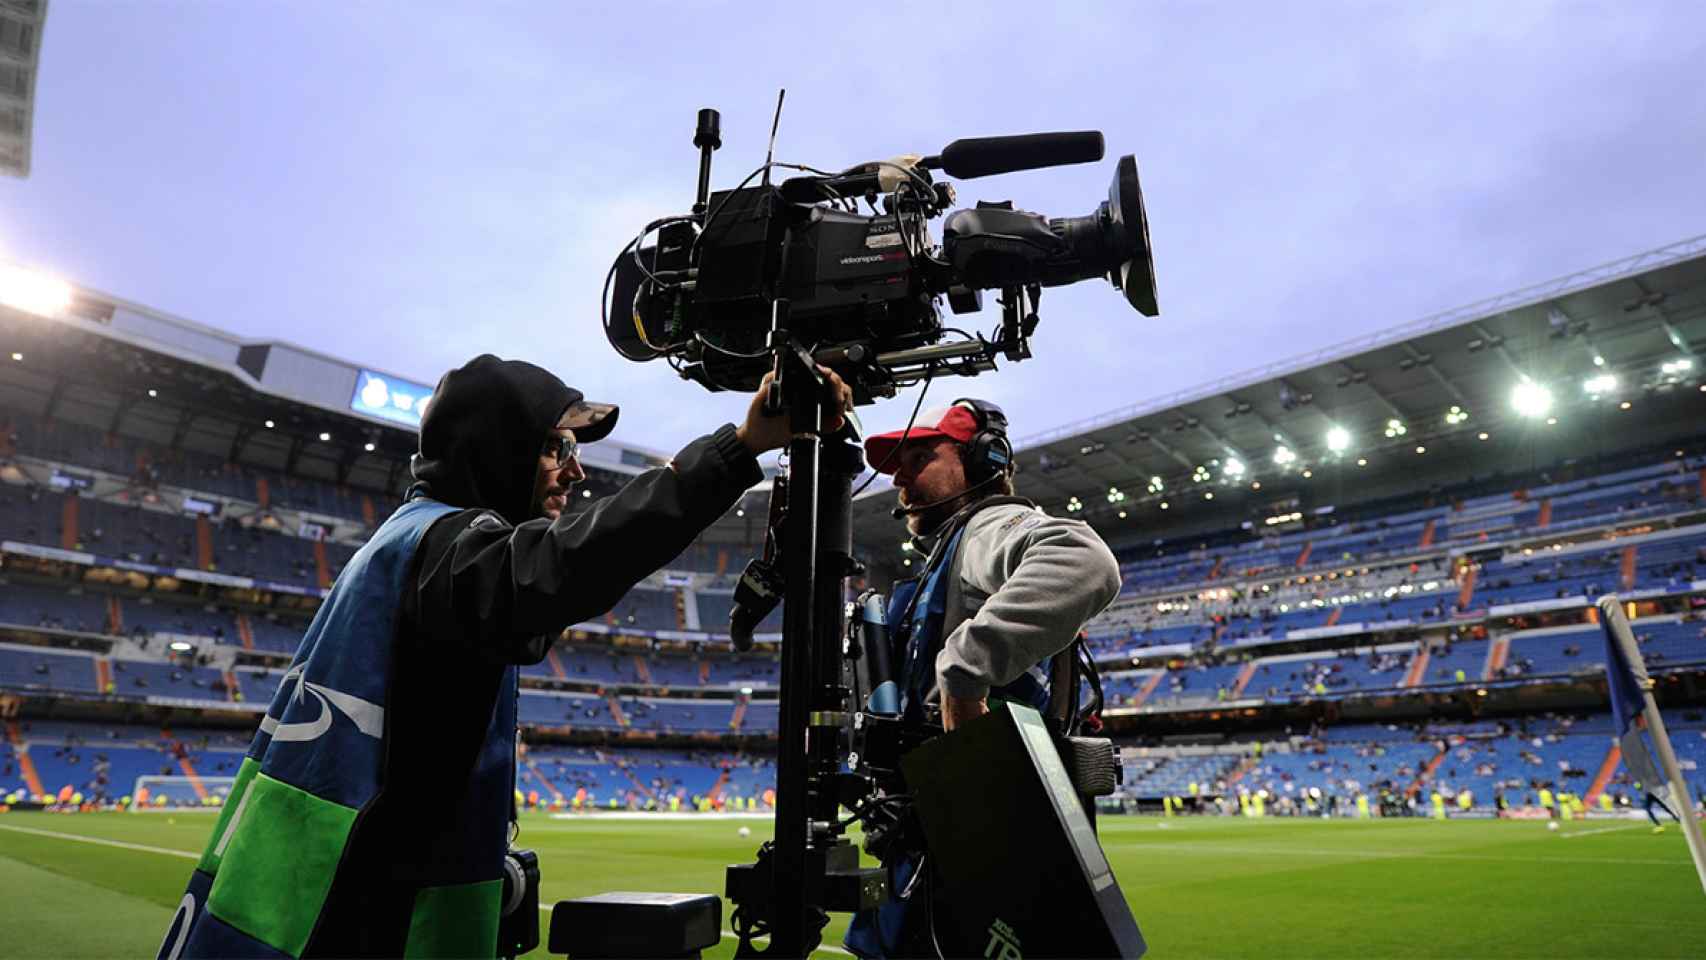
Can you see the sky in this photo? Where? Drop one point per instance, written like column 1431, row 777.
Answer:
column 407, row 184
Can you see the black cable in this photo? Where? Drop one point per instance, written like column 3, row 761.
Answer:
column 876, row 471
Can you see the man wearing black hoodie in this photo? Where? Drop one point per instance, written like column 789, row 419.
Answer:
column 372, row 811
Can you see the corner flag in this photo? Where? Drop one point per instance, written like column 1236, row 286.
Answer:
column 1632, row 700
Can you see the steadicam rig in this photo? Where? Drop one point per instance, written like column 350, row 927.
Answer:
column 863, row 289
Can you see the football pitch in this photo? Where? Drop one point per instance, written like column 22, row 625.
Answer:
column 104, row 885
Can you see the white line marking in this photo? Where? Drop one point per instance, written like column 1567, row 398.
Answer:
column 1383, row 854
column 103, row 842
column 196, row 856
column 1589, row 833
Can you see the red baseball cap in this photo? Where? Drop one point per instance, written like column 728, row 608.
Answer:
column 957, row 423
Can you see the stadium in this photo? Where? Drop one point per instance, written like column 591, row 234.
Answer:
column 1355, row 658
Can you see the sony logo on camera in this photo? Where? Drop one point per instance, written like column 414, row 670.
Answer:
column 1003, row 943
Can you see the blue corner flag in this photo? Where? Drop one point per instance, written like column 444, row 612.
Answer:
column 1626, row 681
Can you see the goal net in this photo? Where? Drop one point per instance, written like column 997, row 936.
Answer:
column 180, row 793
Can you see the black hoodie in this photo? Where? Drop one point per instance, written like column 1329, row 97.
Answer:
column 493, row 588
column 481, row 436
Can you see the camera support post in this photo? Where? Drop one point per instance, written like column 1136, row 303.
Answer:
column 809, row 868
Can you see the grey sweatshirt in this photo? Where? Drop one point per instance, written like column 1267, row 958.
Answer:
column 1030, row 582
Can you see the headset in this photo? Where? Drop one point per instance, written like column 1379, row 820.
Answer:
column 988, row 453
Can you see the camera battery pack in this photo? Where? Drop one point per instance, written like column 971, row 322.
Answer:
column 1014, row 856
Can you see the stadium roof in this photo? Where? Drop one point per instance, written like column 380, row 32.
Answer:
column 20, row 50
column 1612, row 353
column 78, row 354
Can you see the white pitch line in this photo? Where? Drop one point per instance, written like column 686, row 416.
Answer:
column 1385, row 854
column 103, row 842
column 196, row 856
column 731, row 935
column 1589, row 833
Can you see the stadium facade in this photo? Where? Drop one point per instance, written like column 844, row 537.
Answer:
column 1377, row 562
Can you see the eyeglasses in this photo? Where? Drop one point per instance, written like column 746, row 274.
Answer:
column 562, row 450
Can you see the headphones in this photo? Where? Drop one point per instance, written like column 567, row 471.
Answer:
column 989, row 453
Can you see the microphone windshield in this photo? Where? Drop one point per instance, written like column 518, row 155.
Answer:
column 986, row 156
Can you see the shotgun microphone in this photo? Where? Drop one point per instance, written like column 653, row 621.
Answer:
column 987, row 156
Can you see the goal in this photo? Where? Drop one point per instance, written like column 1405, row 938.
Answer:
column 180, row 793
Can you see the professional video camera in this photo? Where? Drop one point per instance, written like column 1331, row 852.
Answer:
column 862, row 290
column 786, row 279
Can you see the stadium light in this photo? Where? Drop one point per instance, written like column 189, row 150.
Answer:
column 1421, row 449
column 1395, row 428
column 1682, row 365
column 1200, row 474
column 270, row 424
column 1551, row 421
column 1624, row 405
column 1481, row 436
column 1155, row 485
column 1283, row 456
column 33, row 292
column 153, row 392
column 1530, row 399
column 586, row 494
column 1455, row 416
column 325, row 437
column 1163, row 504
column 180, row 646
column 1362, row 461
column 1232, row 469
column 18, row 357
column 1598, row 360
column 1600, row 385
column 1122, row 514
column 1209, row 495
column 368, row 446
column 1308, row 473
column 1338, row 439
column 1255, row 484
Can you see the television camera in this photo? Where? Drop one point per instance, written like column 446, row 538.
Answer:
column 787, row 278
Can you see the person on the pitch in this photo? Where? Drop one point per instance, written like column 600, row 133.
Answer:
column 1004, row 588
column 372, row 813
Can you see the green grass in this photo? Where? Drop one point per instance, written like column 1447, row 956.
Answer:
column 1199, row 888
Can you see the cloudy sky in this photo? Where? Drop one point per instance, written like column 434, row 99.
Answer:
column 407, row 184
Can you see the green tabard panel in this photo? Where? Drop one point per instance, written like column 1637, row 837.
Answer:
column 233, row 803
column 455, row 921
column 279, row 863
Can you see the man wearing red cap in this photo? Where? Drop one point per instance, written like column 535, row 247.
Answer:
column 1005, row 587
column 1022, row 582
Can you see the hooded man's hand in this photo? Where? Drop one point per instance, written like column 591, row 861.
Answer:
column 761, row 433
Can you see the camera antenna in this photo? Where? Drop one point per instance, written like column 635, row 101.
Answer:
column 776, row 121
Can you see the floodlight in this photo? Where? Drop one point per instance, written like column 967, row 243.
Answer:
column 1283, row 456
column 18, row 357
column 1604, row 383
column 1395, row 428
column 325, row 437
column 33, row 292
column 1155, row 485
column 368, row 446
column 1338, row 439
column 1455, row 416
column 1530, row 399
column 269, row 424
column 1233, row 468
